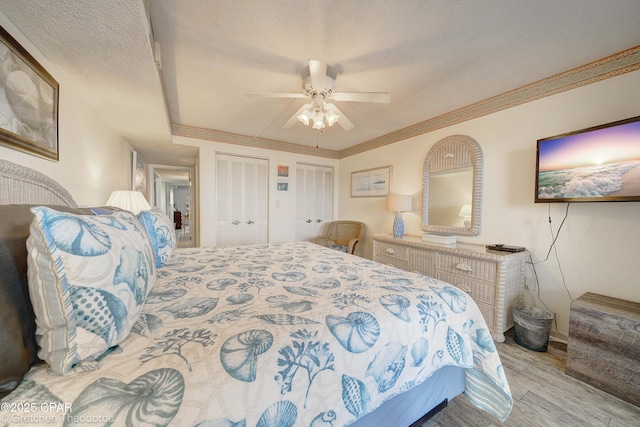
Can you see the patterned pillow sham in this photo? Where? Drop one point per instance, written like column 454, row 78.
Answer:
column 88, row 279
column 161, row 232
column 18, row 347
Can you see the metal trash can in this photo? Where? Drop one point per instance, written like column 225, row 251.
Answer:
column 531, row 327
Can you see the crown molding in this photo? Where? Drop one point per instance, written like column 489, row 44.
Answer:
column 602, row 69
column 610, row 66
column 250, row 141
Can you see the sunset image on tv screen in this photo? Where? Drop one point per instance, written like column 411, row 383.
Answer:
column 593, row 164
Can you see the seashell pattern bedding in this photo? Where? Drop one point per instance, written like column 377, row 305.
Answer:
column 284, row 334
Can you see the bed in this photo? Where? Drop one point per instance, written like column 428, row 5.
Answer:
column 282, row 334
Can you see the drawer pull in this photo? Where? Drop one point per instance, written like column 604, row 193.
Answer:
column 465, row 288
column 390, row 251
column 463, row 267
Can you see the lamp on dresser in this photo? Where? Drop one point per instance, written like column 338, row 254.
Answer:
column 132, row 201
column 465, row 214
column 398, row 203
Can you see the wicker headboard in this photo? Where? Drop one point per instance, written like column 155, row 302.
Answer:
column 22, row 185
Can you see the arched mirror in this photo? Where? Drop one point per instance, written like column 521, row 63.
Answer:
column 452, row 187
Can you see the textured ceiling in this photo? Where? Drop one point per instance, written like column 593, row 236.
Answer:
column 432, row 56
column 103, row 49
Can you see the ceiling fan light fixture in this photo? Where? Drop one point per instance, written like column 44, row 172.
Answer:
column 318, row 124
column 318, row 83
column 331, row 117
column 317, row 115
column 305, row 116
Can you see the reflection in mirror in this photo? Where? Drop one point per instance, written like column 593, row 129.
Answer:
column 452, row 187
column 450, row 195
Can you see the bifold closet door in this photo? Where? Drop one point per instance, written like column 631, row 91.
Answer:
column 314, row 199
column 241, row 200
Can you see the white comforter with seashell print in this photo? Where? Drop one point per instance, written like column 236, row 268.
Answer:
column 285, row 334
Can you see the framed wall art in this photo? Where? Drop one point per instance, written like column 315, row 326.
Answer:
column 283, row 170
column 139, row 174
column 28, row 102
column 371, row 182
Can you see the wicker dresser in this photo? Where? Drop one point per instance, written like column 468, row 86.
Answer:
column 493, row 279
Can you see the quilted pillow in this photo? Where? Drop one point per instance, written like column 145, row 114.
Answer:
column 161, row 232
column 88, row 279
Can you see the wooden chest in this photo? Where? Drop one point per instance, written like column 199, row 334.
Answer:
column 603, row 348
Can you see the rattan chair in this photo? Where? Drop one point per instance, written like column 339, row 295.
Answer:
column 342, row 235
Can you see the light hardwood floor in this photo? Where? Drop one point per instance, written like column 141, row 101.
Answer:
column 543, row 395
column 184, row 237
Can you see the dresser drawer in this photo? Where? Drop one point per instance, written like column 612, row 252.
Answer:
column 489, row 316
column 392, row 251
column 423, row 262
column 483, row 270
column 394, row 262
column 480, row 291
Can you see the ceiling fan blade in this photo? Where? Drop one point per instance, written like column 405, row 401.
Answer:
column 275, row 95
column 318, row 72
column 344, row 122
column 380, row 97
column 294, row 119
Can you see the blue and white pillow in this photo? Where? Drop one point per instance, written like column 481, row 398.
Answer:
column 161, row 232
column 88, row 279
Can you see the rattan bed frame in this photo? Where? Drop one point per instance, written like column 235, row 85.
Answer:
column 22, row 185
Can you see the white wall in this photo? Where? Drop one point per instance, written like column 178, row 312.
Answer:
column 282, row 204
column 94, row 160
column 598, row 246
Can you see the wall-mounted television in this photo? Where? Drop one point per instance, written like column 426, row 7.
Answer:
column 598, row 164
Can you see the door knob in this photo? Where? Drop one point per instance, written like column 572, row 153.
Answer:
column 308, row 221
column 236, row 222
column 249, row 222
column 318, row 220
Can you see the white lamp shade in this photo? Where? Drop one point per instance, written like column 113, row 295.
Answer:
column 331, row 117
column 132, row 201
column 399, row 203
column 305, row 116
column 316, row 113
column 465, row 211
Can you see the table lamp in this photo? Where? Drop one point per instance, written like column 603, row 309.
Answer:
column 465, row 213
column 398, row 203
column 133, row 201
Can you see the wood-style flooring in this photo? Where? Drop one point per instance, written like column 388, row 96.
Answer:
column 543, row 395
column 183, row 236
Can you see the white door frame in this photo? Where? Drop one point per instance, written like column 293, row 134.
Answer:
column 193, row 186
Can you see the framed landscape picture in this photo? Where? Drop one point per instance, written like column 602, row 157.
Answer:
column 28, row 102
column 371, row 182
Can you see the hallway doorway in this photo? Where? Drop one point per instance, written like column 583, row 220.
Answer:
column 173, row 193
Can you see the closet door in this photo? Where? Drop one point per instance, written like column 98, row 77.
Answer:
column 255, row 179
column 314, row 199
column 241, row 200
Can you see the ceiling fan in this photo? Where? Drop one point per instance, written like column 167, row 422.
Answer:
column 319, row 86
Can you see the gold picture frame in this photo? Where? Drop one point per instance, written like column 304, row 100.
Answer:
column 28, row 102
